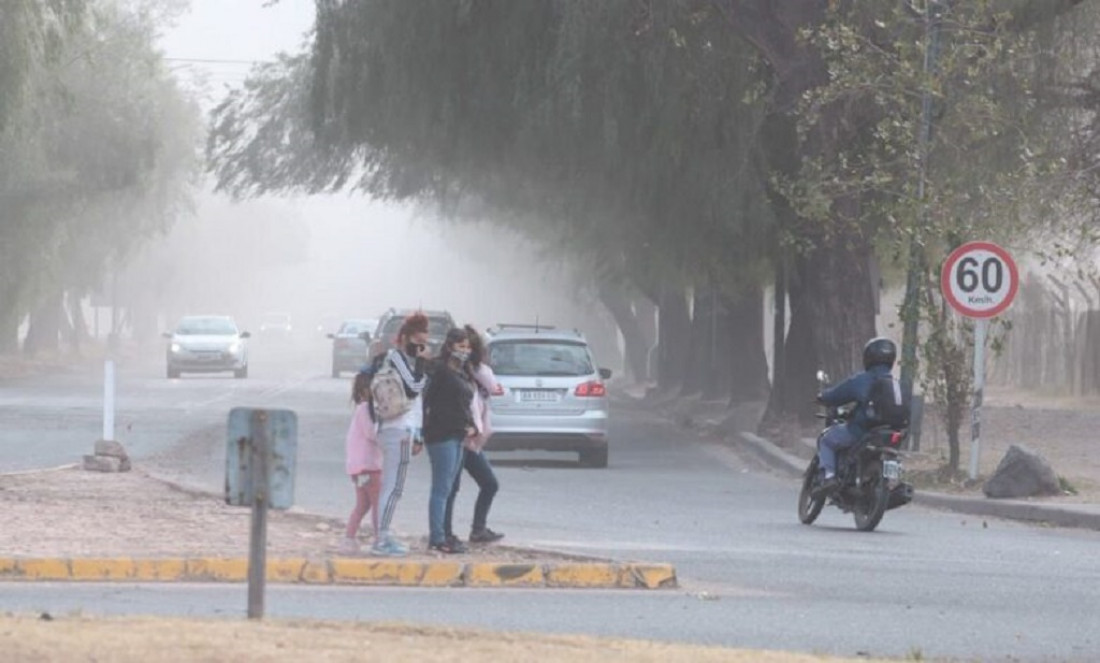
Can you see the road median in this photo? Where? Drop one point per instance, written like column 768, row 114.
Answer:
column 74, row 526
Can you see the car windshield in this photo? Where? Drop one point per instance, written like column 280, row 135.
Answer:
column 437, row 327
column 542, row 358
column 355, row 327
column 206, row 327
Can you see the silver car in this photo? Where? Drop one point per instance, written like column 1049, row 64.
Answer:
column 207, row 344
column 551, row 396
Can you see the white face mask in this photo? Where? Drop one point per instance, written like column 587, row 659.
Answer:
column 461, row 355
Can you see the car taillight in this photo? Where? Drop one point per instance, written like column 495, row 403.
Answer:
column 498, row 390
column 895, row 438
column 593, row 389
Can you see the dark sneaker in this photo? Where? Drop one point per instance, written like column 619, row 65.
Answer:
column 452, row 539
column 485, row 536
column 826, row 488
column 455, row 547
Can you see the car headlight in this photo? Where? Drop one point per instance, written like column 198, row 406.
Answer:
column 176, row 348
column 234, row 348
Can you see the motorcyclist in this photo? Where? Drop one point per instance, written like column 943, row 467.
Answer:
column 879, row 355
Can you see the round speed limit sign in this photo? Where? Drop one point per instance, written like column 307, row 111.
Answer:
column 979, row 279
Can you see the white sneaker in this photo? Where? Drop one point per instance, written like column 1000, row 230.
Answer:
column 349, row 547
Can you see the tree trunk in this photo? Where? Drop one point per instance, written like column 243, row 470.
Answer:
column 636, row 346
column 699, row 351
column 746, row 375
column 674, row 332
column 45, row 325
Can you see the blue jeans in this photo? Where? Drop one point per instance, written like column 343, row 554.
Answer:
column 445, row 457
column 835, row 438
column 479, row 468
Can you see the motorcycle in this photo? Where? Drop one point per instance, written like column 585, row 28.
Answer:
column 869, row 474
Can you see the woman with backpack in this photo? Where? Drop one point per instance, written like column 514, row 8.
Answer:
column 473, row 458
column 447, row 425
column 396, row 387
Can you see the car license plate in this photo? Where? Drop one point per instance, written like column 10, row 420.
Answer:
column 891, row 469
column 539, row 396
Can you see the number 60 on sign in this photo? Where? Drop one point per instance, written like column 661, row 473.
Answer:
column 979, row 279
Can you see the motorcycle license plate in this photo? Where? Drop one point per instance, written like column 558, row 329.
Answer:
column 891, row 469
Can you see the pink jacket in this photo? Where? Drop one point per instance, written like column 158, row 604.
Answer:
column 479, row 408
column 363, row 452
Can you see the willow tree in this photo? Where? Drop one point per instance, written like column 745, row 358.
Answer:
column 613, row 131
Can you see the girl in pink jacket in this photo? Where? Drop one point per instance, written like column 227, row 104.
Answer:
column 363, row 464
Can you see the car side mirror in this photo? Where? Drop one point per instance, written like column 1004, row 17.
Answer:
column 246, row 335
column 605, row 373
column 365, row 336
column 166, row 334
column 332, row 336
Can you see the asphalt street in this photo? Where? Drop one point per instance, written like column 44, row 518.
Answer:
column 927, row 582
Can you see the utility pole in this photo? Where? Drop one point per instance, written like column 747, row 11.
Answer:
column 933, row 14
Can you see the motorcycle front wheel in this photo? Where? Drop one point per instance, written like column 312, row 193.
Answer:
column 876, row 496
column 808, row 506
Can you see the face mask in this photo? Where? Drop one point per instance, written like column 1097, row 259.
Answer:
column 461, row 355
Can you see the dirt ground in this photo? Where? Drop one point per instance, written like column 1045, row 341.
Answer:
column 1063, row 430
column 46, row 639
column 74, row 513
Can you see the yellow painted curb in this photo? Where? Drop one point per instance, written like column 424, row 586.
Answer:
column 504, row 575
column 349, row 571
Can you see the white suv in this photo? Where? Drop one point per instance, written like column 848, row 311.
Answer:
column 551, row 395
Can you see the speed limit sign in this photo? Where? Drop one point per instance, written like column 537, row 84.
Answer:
column 979, row 279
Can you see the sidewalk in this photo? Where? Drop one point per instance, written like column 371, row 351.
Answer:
column 717, row 421
column 69, row 524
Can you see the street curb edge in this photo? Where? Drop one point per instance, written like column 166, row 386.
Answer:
column 346, row 571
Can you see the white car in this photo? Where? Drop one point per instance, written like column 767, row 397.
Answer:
column 551, row 396
column 207, row 344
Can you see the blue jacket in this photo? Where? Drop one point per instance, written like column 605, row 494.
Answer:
column 856, row 389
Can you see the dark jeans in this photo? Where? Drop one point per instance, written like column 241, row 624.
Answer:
column 482, row 472
column 835, row 439
column 446, row 460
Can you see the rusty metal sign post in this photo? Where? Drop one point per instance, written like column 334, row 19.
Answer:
column 259, row 472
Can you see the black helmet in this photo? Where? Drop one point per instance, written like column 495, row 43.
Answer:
column 879, row 351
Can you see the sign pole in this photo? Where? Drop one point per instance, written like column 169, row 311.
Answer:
column 980, row 328
column 257, row 544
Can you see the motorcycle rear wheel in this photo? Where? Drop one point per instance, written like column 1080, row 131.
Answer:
column 808, row 506
column 876, row 496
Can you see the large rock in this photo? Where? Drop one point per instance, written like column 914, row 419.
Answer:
column 1022, row 473
column 110, row 456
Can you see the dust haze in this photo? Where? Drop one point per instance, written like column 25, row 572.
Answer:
column 330, row 258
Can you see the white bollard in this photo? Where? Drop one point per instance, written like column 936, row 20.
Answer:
column 109, row 400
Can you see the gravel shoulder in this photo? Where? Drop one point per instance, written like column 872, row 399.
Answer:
column 69, row 512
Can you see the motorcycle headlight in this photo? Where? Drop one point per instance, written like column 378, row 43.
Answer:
column 176, row 347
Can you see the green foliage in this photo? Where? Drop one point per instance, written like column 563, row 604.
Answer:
column 99, row 157
column 617, row 133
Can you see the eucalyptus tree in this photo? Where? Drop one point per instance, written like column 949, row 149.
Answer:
column 97, row 158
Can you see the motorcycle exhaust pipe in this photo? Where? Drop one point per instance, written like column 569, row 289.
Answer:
column 900, row 495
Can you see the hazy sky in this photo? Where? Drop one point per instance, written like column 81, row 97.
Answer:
column 362, row 257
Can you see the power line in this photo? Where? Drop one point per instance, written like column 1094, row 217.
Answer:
column 215, row 61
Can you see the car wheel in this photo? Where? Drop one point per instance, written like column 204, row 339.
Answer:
column 594, row 457
column 241, row 373
column 173, row 373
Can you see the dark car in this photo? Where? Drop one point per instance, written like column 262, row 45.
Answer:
column 439, row 323
column 349, row 347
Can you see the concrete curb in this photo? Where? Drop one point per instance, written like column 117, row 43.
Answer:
column 1085, row 516
column 347, row 571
